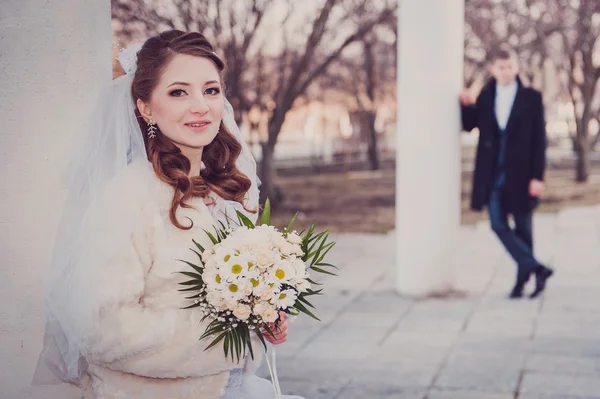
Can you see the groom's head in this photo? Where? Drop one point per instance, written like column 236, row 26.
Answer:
column 504, row 66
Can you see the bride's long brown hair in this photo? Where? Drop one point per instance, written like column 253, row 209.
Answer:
column 220, row 174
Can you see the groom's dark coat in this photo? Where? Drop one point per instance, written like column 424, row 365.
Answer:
column 525, row 157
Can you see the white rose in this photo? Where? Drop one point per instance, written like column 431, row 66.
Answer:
column 299, row 267
column 260, row 308
column 242, row 311
column 215, row 298
column 231, row 304
column 289, row 248
column 269, row 315
column 264, row 258
column 294, row 238
column 266, row 294
column 303, row 285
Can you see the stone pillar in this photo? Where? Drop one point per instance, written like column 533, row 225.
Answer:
column 54, row 55
column 430, row 76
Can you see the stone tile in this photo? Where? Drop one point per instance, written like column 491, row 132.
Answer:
column 311, row 390
column 381, row 391
column 564, row 365
column 561, row 385
column 493, row 343
column 567, row 346
column 400, row 374
column 460, row 394
column 485, row 372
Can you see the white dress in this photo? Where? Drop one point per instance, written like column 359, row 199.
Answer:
column 143, row 344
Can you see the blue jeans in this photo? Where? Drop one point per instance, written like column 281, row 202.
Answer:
column 518, row 242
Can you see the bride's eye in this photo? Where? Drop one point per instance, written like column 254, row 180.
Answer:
column 213, row 91
column 177, row 93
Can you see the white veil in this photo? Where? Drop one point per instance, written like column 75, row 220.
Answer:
column 108, row 144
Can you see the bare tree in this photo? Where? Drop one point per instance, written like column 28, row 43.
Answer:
column 580, row 71
column 366, row 80
column 230, row 25
column 234, row 27
column 302, row 71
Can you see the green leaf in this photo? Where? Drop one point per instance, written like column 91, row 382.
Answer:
column 192, row 275
column 289, row 226
column 260, row 336
column 214, row 327
column 196, row 268
column 269, row 331
column 327, row 265
column 303, row 309
column 317, row 269
column 265, row 218
column 197, row 253
column 214, row 330
column 217, row 340
column 200, row 247
column 237, row 343
column 195, row 288
column 244, row 220
column 191, row 282
column 293, row 312
column 326, row 248
column 212, row 238
column 226, row 345
column 246, row 335
column 195, row 305
column 317, row 253
column 313, row 282
column 304, row 301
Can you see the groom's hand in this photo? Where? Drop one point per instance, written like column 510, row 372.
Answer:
column 536, row 187
column 466, row 98
column 279, row 332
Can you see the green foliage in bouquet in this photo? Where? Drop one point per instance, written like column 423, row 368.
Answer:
column 224, row 327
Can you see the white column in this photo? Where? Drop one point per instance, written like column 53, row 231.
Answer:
column 53, row 57
column 430, row 70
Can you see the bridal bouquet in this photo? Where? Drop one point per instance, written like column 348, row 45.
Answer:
column 250, row 275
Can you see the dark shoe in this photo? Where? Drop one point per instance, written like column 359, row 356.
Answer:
column 517, row 292
column 542, row 274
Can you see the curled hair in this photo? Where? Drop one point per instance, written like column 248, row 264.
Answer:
column 220, row 174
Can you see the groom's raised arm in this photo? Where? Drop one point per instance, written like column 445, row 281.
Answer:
column 468, row 111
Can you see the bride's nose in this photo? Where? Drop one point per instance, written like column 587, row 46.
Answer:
column 199, row 105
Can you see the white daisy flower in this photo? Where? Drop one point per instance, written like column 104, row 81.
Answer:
column 285, row 299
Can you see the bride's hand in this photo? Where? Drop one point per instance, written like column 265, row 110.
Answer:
column 280, row 332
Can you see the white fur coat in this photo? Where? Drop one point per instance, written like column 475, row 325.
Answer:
column 143, row 344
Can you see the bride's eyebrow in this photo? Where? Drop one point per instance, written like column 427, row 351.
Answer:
column 210, row 82
column 178, row 84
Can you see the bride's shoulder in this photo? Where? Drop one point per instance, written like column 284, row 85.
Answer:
column 133, row 180
column 134, row 187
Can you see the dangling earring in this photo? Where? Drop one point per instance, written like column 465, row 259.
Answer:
column 151, row 129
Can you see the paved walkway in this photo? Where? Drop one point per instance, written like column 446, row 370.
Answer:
column 374, row 344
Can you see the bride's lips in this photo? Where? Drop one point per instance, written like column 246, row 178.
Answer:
column 198, row 126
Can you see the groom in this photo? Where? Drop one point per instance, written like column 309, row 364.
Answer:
column 510, row 162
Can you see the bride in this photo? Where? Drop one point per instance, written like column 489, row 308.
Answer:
column 161, row 161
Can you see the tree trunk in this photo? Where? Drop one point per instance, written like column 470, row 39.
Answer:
column 372, row 149
column 268, row 176
column 582, row 170
column 268, row 187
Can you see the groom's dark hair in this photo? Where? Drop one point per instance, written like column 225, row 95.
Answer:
column 501, row 53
